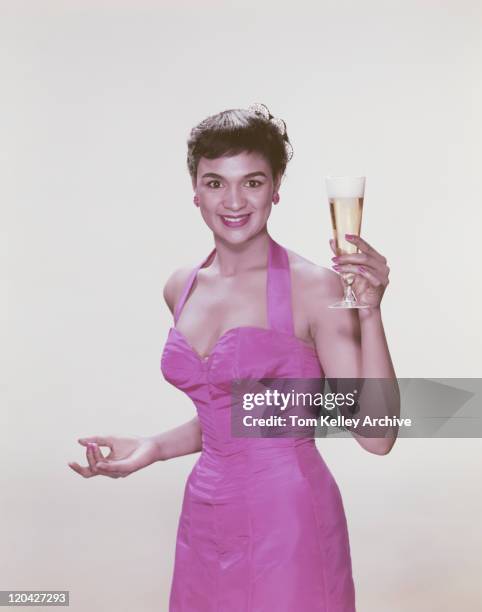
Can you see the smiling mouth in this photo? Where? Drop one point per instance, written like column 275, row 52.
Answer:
column 235, row 220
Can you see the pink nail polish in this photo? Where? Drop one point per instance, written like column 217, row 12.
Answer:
column 362, row 269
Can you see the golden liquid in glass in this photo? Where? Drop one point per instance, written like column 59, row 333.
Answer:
column 346, row 218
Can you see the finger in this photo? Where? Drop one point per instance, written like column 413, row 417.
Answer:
column 121, row 467
column 370, row 275
column 360, row 284
column 364, row 246
column 90, row 457
column 94, row 456
column 103, row 468
column 364, row 259
column 112, row 467
column 98, row 456
column 99, row 440
column 80, row 469
column 110, row 473
column 333, row 245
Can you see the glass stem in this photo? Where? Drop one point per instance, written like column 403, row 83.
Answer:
column 349, row 295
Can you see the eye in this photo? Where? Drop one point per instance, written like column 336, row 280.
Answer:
column 209, row 183
column 255, row 181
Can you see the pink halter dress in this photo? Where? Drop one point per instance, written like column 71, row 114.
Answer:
column 262, row 525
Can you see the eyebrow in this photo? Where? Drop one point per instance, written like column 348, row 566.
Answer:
column 218, row 176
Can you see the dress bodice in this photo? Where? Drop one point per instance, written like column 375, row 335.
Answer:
column 244, row 351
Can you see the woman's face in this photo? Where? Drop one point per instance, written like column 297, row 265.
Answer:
column 235, row 194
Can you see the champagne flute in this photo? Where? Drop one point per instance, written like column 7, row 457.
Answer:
column 345, row 195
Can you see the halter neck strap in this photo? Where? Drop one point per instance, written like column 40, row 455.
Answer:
column 280, row 311
column 278, row 288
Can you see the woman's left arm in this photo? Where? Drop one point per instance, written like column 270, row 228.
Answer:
column 351, row 343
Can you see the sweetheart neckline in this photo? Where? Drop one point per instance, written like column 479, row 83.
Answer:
column 233, row 329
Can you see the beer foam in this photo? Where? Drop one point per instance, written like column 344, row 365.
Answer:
column 345, row 186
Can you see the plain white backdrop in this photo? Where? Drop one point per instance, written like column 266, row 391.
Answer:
column 98, row 99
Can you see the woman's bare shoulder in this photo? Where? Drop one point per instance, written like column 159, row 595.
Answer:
column 311, row 278
column 174, row 286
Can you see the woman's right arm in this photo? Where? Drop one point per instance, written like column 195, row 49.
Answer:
column 182, row 440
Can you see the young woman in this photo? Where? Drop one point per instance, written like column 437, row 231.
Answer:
column 262, row 526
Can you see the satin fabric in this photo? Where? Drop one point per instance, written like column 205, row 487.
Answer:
column 262, row 525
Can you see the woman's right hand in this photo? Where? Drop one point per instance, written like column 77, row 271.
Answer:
column 126, row 455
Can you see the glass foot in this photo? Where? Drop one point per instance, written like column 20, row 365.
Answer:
column 348, row 304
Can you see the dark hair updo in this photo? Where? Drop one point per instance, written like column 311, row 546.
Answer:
column 234, row 131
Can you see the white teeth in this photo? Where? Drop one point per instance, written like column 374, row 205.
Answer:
column 234, row 218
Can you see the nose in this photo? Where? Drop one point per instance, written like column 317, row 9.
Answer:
column 234, row 200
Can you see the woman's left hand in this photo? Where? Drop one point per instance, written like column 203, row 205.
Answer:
column 370, row 269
